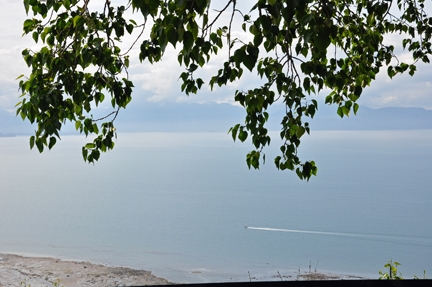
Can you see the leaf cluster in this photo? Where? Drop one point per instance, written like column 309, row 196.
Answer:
column 298, row 49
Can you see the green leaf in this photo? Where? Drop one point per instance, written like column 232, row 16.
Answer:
column 249, row 61
column 67, row 4
column 345, row 111
column 356, row 107
column 172, row 36
column 39, row 145
column 32, row 142
column 258, row 40
column 339, row 112
column 322, row 40
column 90, row 146
column 28, row 22
column 193, row 28
column 188, row 41
column 95, row 129
column 358, row 90
column 52, row 142
column 412, row 70
column 35, row 36
column 26, row 5
column 239, row 56
column 300, row 131
column 29, row 60
column 75, row 19
column 234, row 131
column 242, row 135
column 130, row 28
column 77, row 125
column 85, row 153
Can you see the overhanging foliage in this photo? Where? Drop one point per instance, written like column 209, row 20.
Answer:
column 299, row 48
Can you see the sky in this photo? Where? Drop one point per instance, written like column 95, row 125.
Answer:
column 159, row 82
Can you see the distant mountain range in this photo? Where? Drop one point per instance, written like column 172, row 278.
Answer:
column 326, row 118
column 213, row 117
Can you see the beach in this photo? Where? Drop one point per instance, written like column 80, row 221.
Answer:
column 16, row 270
column 45, row 271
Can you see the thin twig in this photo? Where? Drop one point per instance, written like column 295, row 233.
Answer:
column 229, row 29
column 143, row 25
column 107, row 116
column 220, row 13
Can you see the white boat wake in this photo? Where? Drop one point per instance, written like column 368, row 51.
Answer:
column 407, row 239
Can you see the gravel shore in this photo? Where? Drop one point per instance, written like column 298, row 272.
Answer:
column 39, row 271
column 23, row 271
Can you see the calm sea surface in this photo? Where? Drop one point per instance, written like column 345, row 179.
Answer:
column 178, row 203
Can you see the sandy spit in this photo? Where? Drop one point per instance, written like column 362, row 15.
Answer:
column 40, row 271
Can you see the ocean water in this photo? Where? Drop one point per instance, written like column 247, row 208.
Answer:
column 178, row 203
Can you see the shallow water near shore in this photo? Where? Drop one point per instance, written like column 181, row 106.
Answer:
column 177, row 204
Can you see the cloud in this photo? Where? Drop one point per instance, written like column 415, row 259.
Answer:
column 159, row 82
column 401, row 91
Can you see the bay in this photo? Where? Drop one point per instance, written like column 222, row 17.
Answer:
column 178, row 203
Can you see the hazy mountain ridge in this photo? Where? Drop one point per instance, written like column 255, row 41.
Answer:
column 213, row 117
column 10, row 125
column 375, row 119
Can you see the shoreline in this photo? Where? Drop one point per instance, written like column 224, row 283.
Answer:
column 46, row 271
column 37, row 271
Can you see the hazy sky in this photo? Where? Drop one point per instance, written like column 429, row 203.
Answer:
column 158, row 83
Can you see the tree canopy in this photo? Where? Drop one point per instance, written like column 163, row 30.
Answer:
column 297, row 48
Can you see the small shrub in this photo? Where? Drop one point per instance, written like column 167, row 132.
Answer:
column 393, row 273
